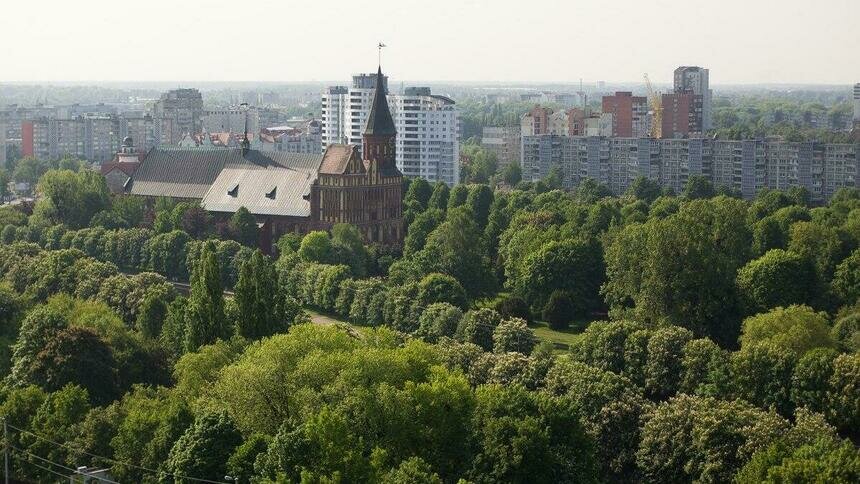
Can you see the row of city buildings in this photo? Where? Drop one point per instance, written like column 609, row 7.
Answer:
column 615, row 146
column 746, row 166
column 94, row 132
column 427, row 124
column 684, row 112
column 427, row 127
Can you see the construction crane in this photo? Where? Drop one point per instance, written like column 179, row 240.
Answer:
column 656, row 108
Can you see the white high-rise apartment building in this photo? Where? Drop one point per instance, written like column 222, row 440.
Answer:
column 857, row 103
column 345, row 110
column 3, row 145
column 427, row 143
column 428, row 126
column 334, row 100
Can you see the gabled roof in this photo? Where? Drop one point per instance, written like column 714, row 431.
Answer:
column 263, row 191
column 337, row 157
column 124, row 166
column 379, row 122
column 190, row 173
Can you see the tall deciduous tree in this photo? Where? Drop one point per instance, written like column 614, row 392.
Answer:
column 71, row 198
column 261, row 309
column 479, row 200
column 244, row 227
column 574, row 266
column 458, row 196
column 205, row 321
column 682, row 268
column 419, row 191
column 778, row 278
column 456, row 248
column 512, row 173
column 698, row 187
column 316, row 247
column 204, row 448
column 77, row 356
column 439, row 197
column 420, row 229
column 795, row 329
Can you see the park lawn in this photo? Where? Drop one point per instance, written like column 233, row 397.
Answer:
column 561, row 339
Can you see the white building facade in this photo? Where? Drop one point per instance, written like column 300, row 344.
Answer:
column 427, row 143
column 857, row 103
column 428, row 126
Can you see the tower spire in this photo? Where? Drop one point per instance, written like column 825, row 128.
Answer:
column 378, row 145
column 246, row 144
column 379, row 121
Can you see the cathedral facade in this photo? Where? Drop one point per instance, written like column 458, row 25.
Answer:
column 289, row 192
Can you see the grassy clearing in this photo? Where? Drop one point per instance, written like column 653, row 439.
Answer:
column 561, row 339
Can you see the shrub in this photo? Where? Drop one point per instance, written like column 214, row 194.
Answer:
column 513, row 307
column 435, row 288
column 513, row 335
column 439, row 320
column 559, row 310
column 477, row 327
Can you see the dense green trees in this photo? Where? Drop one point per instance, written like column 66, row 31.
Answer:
column 456, row 248
column 202, row 451
column 77, row 356
column 573, row 266
column 443, row 387
column 560, row 310
column 205, row 321
column 477, row 327
column 778, row 278
column 795, row 328
column 703, row 439
column 682, row 268
column 846, row 280
column 71, row 198
column 244, row 227
column 263, row 309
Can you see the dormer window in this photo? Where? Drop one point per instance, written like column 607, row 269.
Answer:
column 272, row 194
column 233, row 192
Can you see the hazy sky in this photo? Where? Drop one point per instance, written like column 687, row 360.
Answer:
column 741, row 41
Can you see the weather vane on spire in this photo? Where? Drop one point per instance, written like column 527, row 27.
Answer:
column 380, row 46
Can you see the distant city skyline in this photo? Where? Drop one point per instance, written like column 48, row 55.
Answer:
column 544, row 41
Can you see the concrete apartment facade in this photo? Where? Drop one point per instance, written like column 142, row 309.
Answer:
column 90, row 138
column 695, row 80
column 345, row 110
column 2, row 145
column 747, row 166
column 504, row 141
column 232, row 119
column 857, row 103
column 184, row 109
column 687, row 109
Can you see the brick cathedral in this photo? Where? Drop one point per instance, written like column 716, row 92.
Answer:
column 289, row 192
